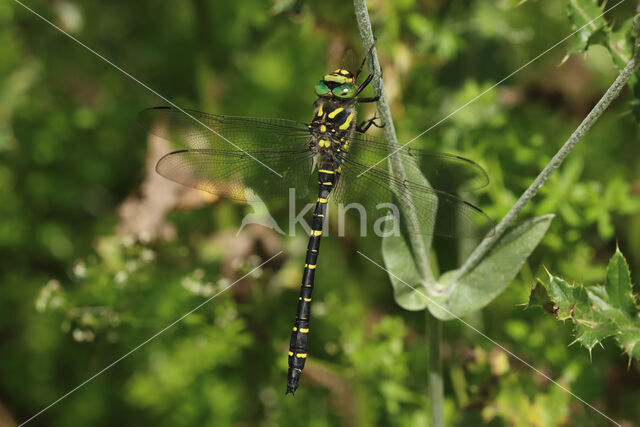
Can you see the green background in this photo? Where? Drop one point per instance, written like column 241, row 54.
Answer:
column 78, row 289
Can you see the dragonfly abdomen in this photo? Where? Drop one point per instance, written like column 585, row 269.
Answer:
column 298, row 346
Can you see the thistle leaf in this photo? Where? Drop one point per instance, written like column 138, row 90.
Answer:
column 586, row 17
column 597, row 311
column 591, row 27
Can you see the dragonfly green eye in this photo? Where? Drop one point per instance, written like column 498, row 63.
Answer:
column 347, row 90
column 321, row 88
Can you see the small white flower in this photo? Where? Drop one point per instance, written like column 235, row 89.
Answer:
column 127, row 241
column 145, row 237
column 47, row 297
column 77, row 335
column 147, row 255
column 223, row 283
column 131, row 266
column 198, row 274
column 190, row 284
column 121, row 277
column 81, row 336
column 80, row 270
column 236, row 263
column 207, row 290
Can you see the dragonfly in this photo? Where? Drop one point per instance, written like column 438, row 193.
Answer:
column 251, row 158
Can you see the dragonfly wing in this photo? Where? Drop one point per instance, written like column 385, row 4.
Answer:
column 195, row 129
column 434, row 211
column 237, row 176
column 226, row 155
column 448, row 172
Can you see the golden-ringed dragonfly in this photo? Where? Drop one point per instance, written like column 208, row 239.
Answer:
column 229, row 155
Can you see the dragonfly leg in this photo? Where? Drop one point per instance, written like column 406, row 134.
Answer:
column 365, row 84
column 370, row 54
column 365, row 125
column 369, row 78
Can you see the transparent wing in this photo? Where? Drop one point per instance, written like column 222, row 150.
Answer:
column 232, row 175
column 349, row 61
column 378, row 190
column 226, row 155
column 447, row 172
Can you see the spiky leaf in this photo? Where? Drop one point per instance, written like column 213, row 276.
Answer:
column 597, row 311
column 586, row 18
column 591, row 28
column 540, row 297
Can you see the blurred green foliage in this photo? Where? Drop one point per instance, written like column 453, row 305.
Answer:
column 77, row 295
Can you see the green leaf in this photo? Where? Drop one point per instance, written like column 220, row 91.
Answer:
column 591, row 324
column 407, row 257
column 597, row 312
column 408, row 169
column 585, row 17
column 629, row 339
column 620, row 45
column 563, row 295
column 619, row 283
column 540, row 297
column 491, row 276
column 399, row 261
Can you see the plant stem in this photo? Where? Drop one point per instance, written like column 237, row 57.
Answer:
column 436, row 385
column 612, row 93
column 420, row 247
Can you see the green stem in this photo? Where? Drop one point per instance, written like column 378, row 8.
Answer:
column 612, row 93
column 420, row 247
column 436, row 385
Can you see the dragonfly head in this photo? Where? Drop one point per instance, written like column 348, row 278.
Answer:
column 341, row 84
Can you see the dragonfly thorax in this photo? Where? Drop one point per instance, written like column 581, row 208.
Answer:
column 331, row 128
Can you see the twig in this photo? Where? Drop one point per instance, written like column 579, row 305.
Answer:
column 419, row 247
column 612, row 93
column 436, row 384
